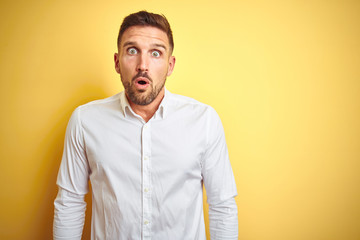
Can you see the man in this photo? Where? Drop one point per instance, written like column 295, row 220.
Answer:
column 146, row 151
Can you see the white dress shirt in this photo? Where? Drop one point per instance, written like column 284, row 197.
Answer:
column 146, row 177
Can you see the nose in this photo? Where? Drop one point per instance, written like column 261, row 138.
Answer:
column 143, row 63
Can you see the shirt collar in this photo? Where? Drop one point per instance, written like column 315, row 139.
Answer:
column 161, row 111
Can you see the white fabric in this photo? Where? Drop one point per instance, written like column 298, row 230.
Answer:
column 146, row 178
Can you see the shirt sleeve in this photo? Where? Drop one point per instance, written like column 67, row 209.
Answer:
column 72, row 180
column 219, row 182
column 69, row 216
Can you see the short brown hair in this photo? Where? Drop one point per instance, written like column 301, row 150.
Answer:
column 144, row 18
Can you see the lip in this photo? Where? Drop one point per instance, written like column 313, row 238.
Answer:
column 138, row 85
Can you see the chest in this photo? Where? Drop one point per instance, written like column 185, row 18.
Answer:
column 168, row 147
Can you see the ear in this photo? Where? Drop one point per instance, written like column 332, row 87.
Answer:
column 172, row 61
column 116, row 61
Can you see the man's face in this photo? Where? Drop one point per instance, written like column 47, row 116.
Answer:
column 144, row 61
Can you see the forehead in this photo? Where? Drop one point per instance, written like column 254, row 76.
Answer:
column 144, row 34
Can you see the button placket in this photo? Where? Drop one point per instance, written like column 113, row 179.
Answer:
column 146, row 181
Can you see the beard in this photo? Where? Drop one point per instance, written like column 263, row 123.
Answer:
column 140, row 97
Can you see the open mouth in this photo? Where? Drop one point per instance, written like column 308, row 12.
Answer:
column 142, row 82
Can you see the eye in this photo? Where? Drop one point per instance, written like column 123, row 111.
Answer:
column 132, row 51
column 155, row 54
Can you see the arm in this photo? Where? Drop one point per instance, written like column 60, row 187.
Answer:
column 72, row 180
column 219, row 182
column 223, row 220
column 69, row 215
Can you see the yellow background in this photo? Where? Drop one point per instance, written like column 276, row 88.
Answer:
column 284, row 77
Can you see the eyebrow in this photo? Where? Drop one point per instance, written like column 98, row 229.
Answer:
column 129, row 43
column 160, row 45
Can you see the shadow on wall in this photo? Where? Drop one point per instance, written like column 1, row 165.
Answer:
column 50, row 151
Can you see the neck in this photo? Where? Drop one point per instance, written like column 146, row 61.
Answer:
column 147, row 111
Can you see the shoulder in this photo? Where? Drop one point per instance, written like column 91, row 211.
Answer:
column 99, row 106
column 96, row 110
column 187, row 108
column 180, row 101
column 101, row 103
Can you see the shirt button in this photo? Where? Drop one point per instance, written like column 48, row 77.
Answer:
column 146, row 222
column 146, row 158
column 146, row 190
column 145, row 126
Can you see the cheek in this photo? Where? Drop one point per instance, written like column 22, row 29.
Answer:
column 125, row 67
column 161, row 69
